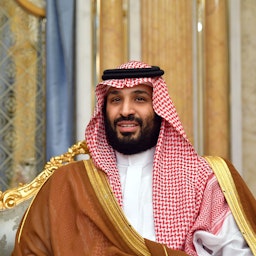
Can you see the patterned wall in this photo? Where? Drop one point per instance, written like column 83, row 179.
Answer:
column 22, row 94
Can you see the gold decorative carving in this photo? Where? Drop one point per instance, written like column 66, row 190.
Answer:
column 32, row 8
column 11, row 197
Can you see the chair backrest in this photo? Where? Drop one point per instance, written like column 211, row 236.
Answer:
column 15, row 201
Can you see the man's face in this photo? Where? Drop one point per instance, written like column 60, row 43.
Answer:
column 131, row 123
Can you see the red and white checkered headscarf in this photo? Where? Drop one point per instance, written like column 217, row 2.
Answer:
column 179, row 173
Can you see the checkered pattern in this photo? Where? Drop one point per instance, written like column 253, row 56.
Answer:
column 180, row 175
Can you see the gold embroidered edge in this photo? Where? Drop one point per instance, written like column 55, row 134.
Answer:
column 114, row 212
column 228, row 187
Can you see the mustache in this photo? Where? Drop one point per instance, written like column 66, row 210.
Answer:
column 128, row 118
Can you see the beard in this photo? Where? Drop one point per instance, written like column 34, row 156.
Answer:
column 128, row 145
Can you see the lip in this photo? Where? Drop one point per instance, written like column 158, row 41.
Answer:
column 127, row 126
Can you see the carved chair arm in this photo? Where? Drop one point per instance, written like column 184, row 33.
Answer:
column 11, row 197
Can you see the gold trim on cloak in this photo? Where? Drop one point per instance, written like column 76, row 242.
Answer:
column 114, row 212
column 230, row 192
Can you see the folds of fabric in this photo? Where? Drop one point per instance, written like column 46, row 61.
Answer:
column 87, row 219
column 77, row 223
column 240, row 199
column 60, row 76
column 105, row 195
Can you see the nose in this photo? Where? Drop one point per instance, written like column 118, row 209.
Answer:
column 127, row 108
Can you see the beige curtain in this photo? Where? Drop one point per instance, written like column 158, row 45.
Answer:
column 216, row 79
column 112, row 38
column 167, row 42
column 248, row 65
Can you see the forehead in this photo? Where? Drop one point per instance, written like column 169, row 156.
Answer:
column 141, row 88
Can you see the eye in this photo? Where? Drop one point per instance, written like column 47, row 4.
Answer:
column 114, row 99
column 140, row 99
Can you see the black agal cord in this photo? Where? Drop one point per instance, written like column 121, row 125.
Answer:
column 132, row 73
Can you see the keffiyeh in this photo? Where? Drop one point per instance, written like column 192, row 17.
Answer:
column 180, row 175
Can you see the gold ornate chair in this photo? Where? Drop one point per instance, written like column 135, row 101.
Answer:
column 15, row 201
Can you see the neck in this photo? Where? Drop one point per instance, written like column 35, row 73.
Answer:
column 136, row 159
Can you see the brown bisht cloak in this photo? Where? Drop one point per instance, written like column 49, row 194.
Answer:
column 75, row 213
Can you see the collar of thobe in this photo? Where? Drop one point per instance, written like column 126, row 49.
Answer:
column 142, row 159
column 136, row 181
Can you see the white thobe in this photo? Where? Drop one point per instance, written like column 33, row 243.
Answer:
column 136, row 181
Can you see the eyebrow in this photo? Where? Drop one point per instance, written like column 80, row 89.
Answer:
column 141, row 92
column 116, row 92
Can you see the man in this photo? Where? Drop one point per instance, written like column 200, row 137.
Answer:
column 145, row 190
